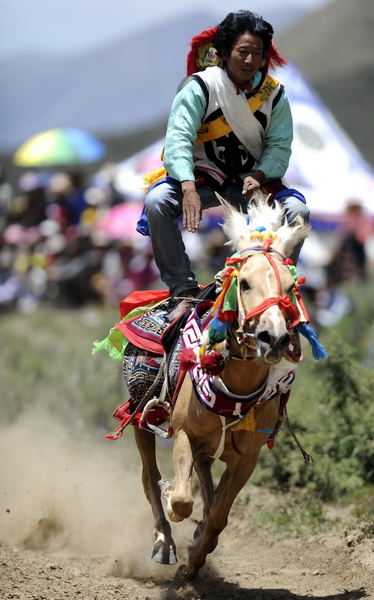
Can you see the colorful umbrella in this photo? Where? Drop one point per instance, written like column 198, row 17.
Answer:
column 119, row 221
column 60, row 146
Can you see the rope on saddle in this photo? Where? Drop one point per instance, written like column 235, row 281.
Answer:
column 144, row 401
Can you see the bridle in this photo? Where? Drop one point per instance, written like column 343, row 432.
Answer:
column 290, row 311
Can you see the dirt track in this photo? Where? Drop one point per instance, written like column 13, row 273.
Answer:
column 74, row 524
column 323, row 567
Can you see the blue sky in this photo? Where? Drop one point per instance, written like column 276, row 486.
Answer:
column 64, row 26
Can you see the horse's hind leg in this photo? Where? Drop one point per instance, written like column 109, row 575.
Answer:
column 164, row 549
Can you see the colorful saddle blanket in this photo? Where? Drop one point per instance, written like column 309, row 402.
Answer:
column 142, row 360
column 145, row 331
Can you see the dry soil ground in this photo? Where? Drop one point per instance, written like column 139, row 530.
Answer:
column 74, row 525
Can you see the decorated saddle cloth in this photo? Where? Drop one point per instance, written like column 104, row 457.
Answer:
column 139, row 341
column 145, row 330
column 142, row 359
column 211, row 391
column 141, row 366
column 140, row 369
column 145, row 320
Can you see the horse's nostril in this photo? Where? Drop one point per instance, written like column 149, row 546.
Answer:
column 284, row 341
column 265, row 337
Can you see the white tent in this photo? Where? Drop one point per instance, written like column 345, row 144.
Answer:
column 325, row 165
column 128, row 176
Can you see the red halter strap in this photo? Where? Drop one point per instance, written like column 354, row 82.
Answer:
column 285, row 303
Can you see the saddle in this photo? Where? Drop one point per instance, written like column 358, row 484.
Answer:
column 151, row 337
column 151, row 340
column 152, row 330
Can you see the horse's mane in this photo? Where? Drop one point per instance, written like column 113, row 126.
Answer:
column 240, row 228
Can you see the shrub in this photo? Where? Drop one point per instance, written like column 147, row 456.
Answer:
column 332, row 411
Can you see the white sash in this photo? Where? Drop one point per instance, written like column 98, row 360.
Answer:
column 236, row 111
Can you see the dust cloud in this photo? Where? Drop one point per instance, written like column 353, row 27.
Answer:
column 70, row 493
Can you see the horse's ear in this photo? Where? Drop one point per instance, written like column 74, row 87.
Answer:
column 227, row 208
column 235, row 223
column 221, row 199
column 291, row 235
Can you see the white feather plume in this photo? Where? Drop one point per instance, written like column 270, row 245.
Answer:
column 238, row 226
column 263, row 214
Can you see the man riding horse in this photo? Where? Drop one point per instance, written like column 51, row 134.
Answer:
column 229, row 131
column 229, row 134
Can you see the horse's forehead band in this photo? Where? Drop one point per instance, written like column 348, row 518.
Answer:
column 247, row 252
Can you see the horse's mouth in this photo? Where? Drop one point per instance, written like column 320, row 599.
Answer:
column 270, row 358
column 273, row 353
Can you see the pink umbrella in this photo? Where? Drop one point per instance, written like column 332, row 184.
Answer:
column 119, row 221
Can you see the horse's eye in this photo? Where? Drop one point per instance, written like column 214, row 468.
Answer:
column 244, row 285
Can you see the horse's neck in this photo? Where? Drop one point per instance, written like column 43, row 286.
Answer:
column 242, row 377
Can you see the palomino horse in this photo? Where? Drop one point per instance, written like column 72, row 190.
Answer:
column 251, row 346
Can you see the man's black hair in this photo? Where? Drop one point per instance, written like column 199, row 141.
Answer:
column 238, row 23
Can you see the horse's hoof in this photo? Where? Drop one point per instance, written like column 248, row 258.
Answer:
column 181, row 508
column 174, row 517
column 180, row 579
column 164, row 553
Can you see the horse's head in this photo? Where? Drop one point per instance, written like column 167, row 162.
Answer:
column 266, row 313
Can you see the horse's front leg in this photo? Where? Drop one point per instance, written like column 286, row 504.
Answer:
column 180, row 499
column 232, row 481
column 164, row 549
column 202, row 465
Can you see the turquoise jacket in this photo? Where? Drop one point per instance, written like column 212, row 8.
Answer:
column 188, row 112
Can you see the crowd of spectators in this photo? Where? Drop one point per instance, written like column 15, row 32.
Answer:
column 54, row 247
column 58, row 246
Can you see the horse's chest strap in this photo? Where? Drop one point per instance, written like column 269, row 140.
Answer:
column 221, row 403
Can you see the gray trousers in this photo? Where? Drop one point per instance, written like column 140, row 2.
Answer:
column 163, row 205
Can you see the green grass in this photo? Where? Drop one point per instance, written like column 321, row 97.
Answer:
column 286, row 515
column 46, row 362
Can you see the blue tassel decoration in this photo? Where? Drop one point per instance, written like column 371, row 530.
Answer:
column 317, row 348
column 217, row 330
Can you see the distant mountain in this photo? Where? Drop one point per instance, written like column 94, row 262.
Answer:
column 117, row 88
column 334, row 48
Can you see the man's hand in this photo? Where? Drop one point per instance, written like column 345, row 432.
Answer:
column 191, row 206
column 251, row 183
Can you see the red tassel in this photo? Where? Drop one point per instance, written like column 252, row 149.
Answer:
column 212, row 363
column 187, row 359
column 273, row 59
column 272, row 56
